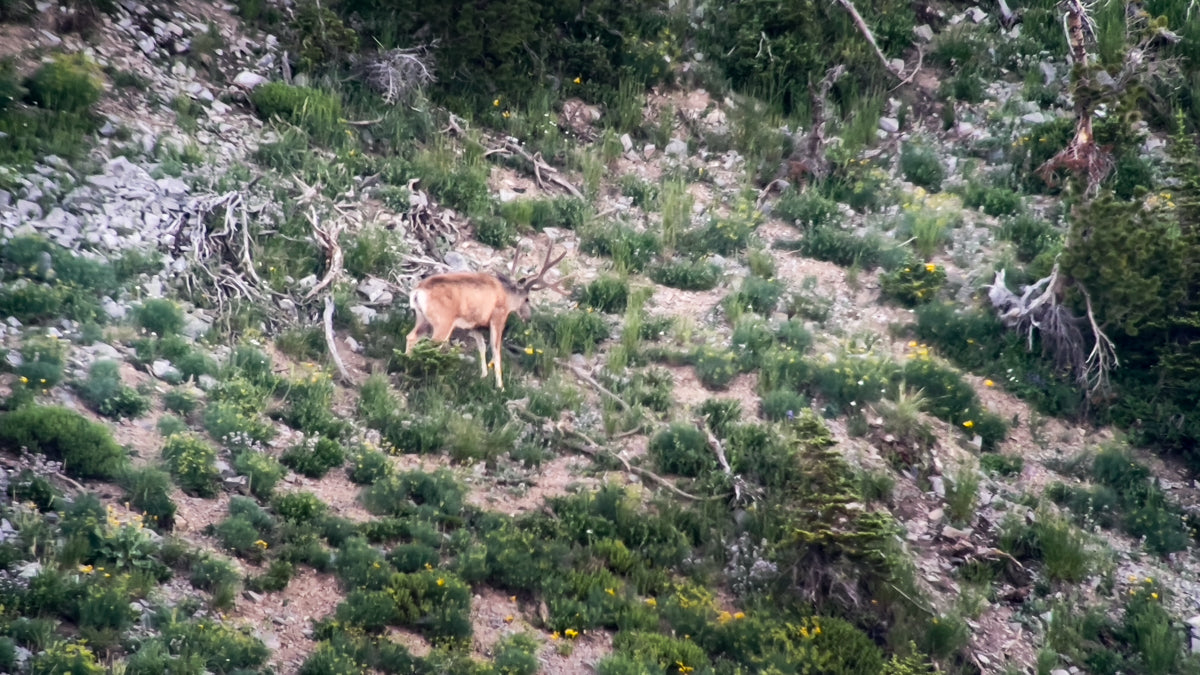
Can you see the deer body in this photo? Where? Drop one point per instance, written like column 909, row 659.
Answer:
column 473, row 301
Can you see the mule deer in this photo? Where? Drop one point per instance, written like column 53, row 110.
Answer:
column 475, row 301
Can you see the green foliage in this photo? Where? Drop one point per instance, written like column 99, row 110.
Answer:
column 1055, row 542
column 576, row 331
column 86, row 449
column 606, row 294
column 994, row 201
column 68, row 84
column 782, row 404
column 921, row 166
column 806, row 209
column 323, row 40
column 913, row 285
column 149, row 491
column 686, row 274
column 221, row 647
column 630, row 250
column 310, row 405
column 1030, row 235
column 682, row 449
column 159, row 316
column 715, row 368
column 300, row 507
column 845, row 248
column 66, row 657
column 315, row 457
column 756, row 294
column 193, row 463
column 951, row 399
column 723, row 235
column 218, row 576
column 367, row 466
column 104, row 392
column 1148, row 513
column 248, row 531
column 1002, row 465
column 262, row 471
column 431, row 496
column 317, row 112
column 42, row 363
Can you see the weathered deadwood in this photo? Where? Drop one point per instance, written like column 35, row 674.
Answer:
column 327, row 238
column 866, row 31
column 511, row 146
column 592, row 382
column 740, row 487
column 579, row 442
column 327, row 320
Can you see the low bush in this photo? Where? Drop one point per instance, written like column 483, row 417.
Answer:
column 193, row 463
column 69, row 83
column 86, row 449
column 160, row 316
column 315, row 457
column 606, row 294
column 104, row 392
column 262, row 471
column 682, row 449
column 913, row 285
column 686, row 274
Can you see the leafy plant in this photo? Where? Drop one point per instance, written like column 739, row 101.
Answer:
column 86, row 449
column 107, row 395
column 193, row 463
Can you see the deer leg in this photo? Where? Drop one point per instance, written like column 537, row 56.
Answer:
column 482, row 344
column 497, row 330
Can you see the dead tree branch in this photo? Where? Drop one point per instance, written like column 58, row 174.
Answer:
column 591, row 381
column 741, row 489
column 398, row 74
column 327, row 237
column 542, row 172
column 579, row 442
column 327, row 320
column 866, row 31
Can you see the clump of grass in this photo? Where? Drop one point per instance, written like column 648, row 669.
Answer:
column 105, row 393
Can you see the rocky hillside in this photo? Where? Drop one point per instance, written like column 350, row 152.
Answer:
column 772, row 421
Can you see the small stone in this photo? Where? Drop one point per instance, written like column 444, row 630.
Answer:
column 353, row 345
column 889, row 124
column 626, row 143
column 677, row 148
column 457, row 262
column 897, row 65
column 939, row 485
column 950, row 532
column 1105, row 80
column 206, row 382
column 372, row 288
column 936, row 515
column 1033, row 118
column 649, row 150
column 14, row 359
column 1049, row 72
column 977, row 15
column 363, row 313
column 163, row 370
column 287, row 305
column 112, row 309
column 108, row 130
column 248, row 80
column 147, row 45
column 923, row 33
column 1195, row 645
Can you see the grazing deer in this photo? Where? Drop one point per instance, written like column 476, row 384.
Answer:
column 474, row 301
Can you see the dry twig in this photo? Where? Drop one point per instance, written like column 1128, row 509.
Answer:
column 332, row 345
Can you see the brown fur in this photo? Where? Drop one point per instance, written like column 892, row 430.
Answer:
column 467, row 300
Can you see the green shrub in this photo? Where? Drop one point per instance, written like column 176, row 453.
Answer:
column 495, row 231
column 606, row 294
column 723, row 235
column 300, row 507
column 516, row 654
column 630, row 250
column 573, row 332
column 262, row 471
column 721, row 414
column 315, row 457
column 430, row 496
column 794, row 335
column 994, row 201
column 716, row 368
column 277, row 577
column 324, row 41
column 182, row 401
column 921, row 166
column 756, row 295
column 317, row 112
column 435, row 602
column 86, row 449
column 1030, row 235
column 807, row 208
column 104, row 392
column 160, row 316
column 149, row 491
column 27, row 487
column 193, row 463
column 66, row 657
column 218, row 576
column 686, row 274
column 913, row 285
column 222, row 647
column 750, row 341
column 69, row 83
column 782, row 404
column 682, row 449
column 367, row 466
column 845, row 248
column 43, row 361
column 1002, row 465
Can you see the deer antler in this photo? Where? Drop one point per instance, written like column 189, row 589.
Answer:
column 515, row 260
column 538, row 283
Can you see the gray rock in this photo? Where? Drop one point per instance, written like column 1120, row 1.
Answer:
column 112, row 309
column 626, row 143
column 938, row 485
column 154, row 287
column 103, row 350
column 1105, row 80
column 457, row 262
column 977, row 15
column 372, row 288
column 147, row 45
column 353, row 345
column 5, row 198
column 1033, row 118
column 206, row 382
column 363, row 313
column 27, row 210
column 194, row 326
column 1049, row 72
column 649, row 150
column 889, row 124
column 14, row 359
column 248, row 80
column 923, row 33
column 677, row 148
column 163, row 370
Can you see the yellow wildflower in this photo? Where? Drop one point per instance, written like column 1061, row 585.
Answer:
column 968, row 424
column 610, row 591
column 683, row 668
column 508, row 619
column 261, row 544
column 24, row 380
column 554, row 635
column 86, row 569
column 571, row 633
column 988, row 383
column 651, row 602
column 578, row 80
column 441, row 582
column 496, row 103
column 1154, row 595
column 739, row 615
column 930, row 267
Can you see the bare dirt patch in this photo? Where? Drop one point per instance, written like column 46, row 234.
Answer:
column 282, row 619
